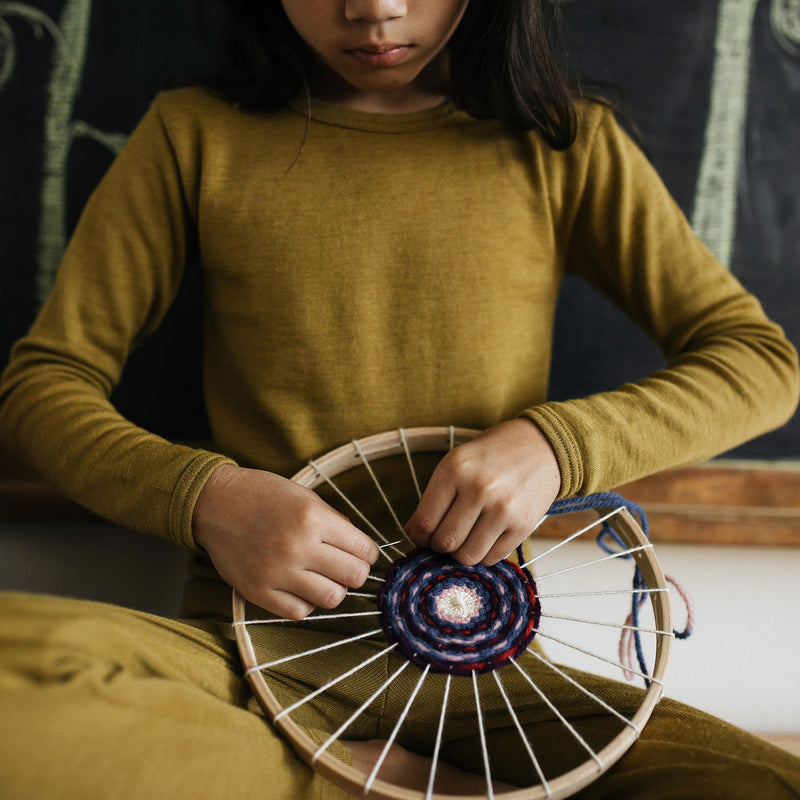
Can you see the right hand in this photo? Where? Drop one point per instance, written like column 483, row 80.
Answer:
column 278, row 544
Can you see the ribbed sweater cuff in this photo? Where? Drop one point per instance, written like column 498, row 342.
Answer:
column 181, row 508
column 564, row 444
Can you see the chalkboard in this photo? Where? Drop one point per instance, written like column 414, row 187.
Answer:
column 75, row 78
column 714, row 88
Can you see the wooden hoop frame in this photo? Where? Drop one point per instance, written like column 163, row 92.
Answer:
column 442, row 439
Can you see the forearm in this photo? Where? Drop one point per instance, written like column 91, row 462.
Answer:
column 66, row 429
column 716, row 395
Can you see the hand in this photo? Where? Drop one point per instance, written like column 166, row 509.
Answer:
column 486, row 496
column 278, row 544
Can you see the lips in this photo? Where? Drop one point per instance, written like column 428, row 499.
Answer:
column 386, row 55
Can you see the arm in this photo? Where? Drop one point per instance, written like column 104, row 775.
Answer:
column 117, row 279
column 277, row 544
column 730, row 373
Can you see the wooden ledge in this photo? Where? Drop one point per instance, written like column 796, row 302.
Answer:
column 723, row 502
column 736, row 502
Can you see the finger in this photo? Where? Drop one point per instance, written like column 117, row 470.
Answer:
column 503, row 547
column 487, row 529
column 284, row 604
column 317, row 589
column 351, row 540
column 436, row 500
column 456, row 527
column 339, row 566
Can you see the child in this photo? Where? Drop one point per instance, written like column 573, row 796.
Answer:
column 384, row 195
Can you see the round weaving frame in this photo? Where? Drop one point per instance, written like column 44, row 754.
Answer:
column 440, row 440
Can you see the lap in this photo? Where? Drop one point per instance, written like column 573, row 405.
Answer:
column 43, row 637
column 132, row 705
column 682, row 754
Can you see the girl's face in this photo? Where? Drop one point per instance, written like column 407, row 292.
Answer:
column 378, row 55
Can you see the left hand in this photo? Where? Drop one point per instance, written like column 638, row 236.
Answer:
column 485, row 497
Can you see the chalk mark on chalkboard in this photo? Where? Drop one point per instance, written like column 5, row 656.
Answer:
column 784, row 19
column 71, row 39
column 111, row 141
column 714, row 217
column 59, row 133
column 39, row 22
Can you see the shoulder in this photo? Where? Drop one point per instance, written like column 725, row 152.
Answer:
column 595, row 125
column 196, row 117
column 592, row 115
column 192, row 106
column 566, row 172
column 597, row 128
column 603, row 153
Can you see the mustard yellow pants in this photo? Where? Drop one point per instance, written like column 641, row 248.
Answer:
column 98, row 701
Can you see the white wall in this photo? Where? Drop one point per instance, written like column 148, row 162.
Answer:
column 744, row 659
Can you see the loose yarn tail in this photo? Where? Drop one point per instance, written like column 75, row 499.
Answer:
column 630, row 644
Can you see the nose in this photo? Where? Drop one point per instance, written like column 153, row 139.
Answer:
column 374, row 10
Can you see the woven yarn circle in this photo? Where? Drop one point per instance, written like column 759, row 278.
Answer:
column 458, row 619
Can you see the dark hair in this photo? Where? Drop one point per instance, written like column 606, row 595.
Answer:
column 501, row 57
column 503, row 66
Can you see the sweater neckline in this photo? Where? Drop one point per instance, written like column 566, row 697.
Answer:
column 329, row 113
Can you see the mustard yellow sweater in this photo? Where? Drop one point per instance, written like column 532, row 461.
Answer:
column 399, row 270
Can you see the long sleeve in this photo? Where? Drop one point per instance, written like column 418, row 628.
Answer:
column 118, row 278
column 730, row 373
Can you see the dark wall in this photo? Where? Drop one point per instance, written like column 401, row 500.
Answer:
column 60, row 130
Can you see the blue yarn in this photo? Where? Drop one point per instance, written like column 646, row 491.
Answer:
column 684, row 634
column 613, row 500
column 603, row 500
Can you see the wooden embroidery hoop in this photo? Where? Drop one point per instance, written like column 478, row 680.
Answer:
column 440, row 440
